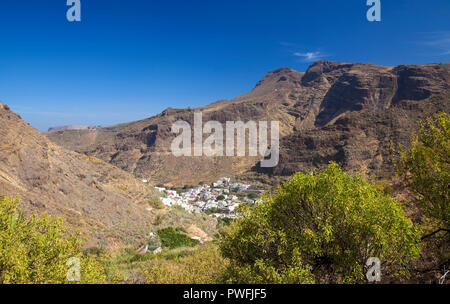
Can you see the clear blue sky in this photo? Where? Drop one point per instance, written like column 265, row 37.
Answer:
column 127, row 60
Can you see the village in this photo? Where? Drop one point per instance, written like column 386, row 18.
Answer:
column 220, row 199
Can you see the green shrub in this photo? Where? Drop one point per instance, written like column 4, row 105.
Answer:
column 173, row 238
column 36, row 250
column 156, row 203
column 252, row 196
column 320, row 227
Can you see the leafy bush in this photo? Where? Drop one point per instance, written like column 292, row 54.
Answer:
column 319, row 227
column 36, row 250
column 173, row 238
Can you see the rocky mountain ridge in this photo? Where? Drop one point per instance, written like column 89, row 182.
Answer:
column 346, row 112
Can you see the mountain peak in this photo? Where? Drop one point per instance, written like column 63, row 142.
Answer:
column 320, row 67
column 283, row 74
column 282, row 70
column 4, row 107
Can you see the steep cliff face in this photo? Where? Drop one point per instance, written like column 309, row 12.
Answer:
column 347, row 112
column 107, row 204
column 366, row 109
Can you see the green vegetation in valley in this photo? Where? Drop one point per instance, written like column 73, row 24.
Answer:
column 174, row 238
column 252, row 196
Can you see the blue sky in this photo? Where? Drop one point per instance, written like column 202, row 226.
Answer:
column 127, row 60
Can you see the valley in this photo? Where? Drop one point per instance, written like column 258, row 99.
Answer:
column 155, row 213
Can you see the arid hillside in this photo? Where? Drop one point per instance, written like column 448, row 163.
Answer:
column 347, row 112
column 108, row 205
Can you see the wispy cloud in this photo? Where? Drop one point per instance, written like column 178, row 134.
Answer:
column 310, row 56
column 306, row 54
column 440, row 41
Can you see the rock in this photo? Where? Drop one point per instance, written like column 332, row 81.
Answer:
column 157, row 250
column 142, row 250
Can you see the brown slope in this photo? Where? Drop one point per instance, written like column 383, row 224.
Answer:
column 348, row 112
column 106, row 203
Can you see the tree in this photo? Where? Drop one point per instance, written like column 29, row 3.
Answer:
column 36, row 250
column 426, row 168
column 320, row 227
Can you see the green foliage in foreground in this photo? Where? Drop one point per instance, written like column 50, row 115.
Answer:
column 173, row 238
column 320, row 227
column 35, row 250
column 426, row 168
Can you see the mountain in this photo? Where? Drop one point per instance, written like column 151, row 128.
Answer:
column 108, row 205
column 346, row 112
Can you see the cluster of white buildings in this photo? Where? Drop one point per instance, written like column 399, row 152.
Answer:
column 216, row 198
